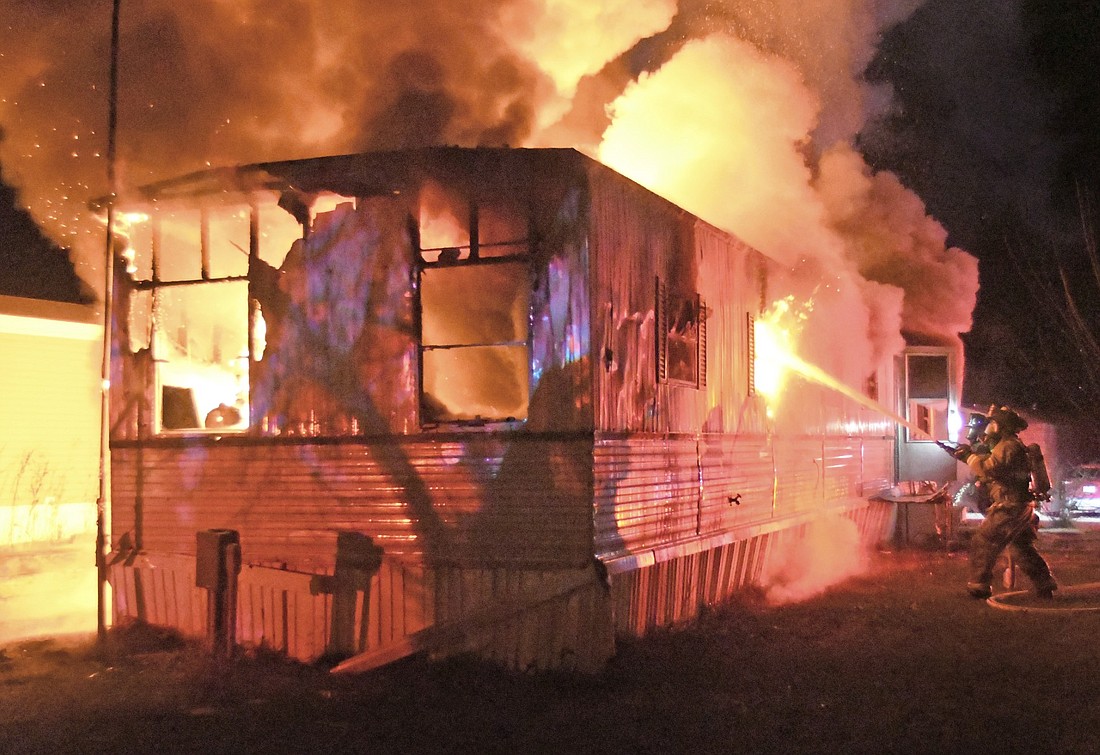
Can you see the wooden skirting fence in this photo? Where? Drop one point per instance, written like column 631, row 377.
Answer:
column 553, row 619
column 520, row 618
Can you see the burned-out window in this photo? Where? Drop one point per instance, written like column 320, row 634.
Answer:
column 928, row 393
column 681, row 338
column 190, row 307
column 200, row 352
column 277, row 227
column 453, row 228
column 474, row 284
column 174, row 244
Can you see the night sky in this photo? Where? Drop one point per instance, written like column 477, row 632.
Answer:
column 997, row 128
column 993, row 123
column 32, row 265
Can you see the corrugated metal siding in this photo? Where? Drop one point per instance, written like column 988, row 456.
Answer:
column 799, row 480
column 741, row 468
column 652, row 492
column 647, row 493
column 524, row 500
column 878, row 467
column 638, row 239
column 676, row 590
column 843, row 465
column 634, row 236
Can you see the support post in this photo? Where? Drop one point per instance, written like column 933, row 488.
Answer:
column 217, row 566
column 358, row 559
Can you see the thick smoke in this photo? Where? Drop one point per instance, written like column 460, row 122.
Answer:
column 746, row 118
column 214, row 82
column 743, row 111
column 829, row 552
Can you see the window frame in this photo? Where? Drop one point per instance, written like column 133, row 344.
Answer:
column 936, row 408
column 473, row 258
column 664, row 307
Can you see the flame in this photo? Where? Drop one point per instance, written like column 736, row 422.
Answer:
column 573, row 38
column 774, row 334
column 742, row 113
column 440, row 225
column 720, row 130
column 259, row 332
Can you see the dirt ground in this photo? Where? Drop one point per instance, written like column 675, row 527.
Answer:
column 896, row 661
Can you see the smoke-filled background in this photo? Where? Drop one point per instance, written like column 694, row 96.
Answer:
column 802, row 126
column 744, row 112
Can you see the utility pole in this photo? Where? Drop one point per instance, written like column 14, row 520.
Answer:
column 105, row 366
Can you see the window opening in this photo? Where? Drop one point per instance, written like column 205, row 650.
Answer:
column 928, row 387
column 200, row 352
column 177, row 245
column 444, row 224
column 474, row 294
column 226, row 241
column 276, row 230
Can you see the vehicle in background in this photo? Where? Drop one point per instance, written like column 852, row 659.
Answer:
column 1081, row 491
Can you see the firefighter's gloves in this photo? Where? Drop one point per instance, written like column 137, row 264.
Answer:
column 963, row 452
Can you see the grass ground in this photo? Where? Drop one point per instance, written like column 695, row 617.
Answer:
column 898, row 661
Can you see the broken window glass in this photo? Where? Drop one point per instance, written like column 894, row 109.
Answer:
column 683, row 341
column 681, row 332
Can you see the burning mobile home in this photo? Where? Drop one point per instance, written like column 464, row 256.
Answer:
column 462, row 399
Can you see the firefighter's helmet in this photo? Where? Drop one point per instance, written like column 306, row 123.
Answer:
column 1007, row 420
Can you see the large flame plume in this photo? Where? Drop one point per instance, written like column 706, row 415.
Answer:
column 742, row 111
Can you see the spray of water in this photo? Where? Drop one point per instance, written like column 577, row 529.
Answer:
column 817, row 375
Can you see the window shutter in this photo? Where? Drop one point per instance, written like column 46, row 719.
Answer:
column 750, row 341
column 660, row 324
column 701, row 381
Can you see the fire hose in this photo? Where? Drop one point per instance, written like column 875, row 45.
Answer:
column 1003, row 600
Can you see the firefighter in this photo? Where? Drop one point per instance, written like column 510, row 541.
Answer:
column 1004, row 468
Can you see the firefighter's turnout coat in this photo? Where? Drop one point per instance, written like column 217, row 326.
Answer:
column 1006, row 471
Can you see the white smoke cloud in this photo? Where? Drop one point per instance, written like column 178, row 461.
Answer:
column 830, row 552
column 892, row 240
column 570, row 39
column 717, row 129
column 742, row 111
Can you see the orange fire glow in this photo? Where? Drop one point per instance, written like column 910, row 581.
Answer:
column 775, row 333
column 440, row 225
